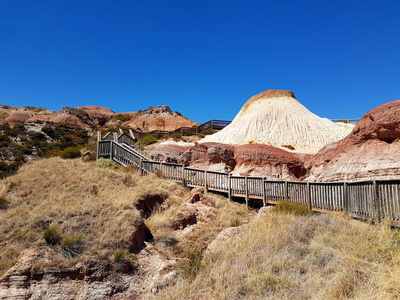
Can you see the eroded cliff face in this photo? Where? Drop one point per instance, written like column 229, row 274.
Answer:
column 370, row 151
column 253, row 160
column 153, row 118
column 276, row 118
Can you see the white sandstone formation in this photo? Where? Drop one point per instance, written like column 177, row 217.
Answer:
column 276, row 118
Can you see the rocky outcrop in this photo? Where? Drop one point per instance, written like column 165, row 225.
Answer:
column 141, row 235
column 369, row 152
column 253, row 160
column 167, row 151
column 18, row 118
column 154, row 118
column 3, row 122
column 211, row 156
column 277, row 119
column 99, row 115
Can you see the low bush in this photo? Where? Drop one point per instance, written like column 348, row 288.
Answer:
column 52, row 235
column 121, row 117
column 124, row 260
column 192, row 264
column 8, row 169
column 72, row 245
column 3, row 204
column 287, row 207
column 146, row 140
column 70, row 153
column 205, row 132
column 236, row 222
column 106, row 163
column 176, row 135
column 53, row 153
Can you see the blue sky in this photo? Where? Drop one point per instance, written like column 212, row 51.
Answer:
column 202, row 58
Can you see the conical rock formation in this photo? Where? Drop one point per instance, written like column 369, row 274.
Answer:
column 276, row 118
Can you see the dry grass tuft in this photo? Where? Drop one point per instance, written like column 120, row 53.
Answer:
column 287, row 207
column 283, row 256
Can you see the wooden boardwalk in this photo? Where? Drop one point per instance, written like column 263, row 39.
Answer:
column 377, row 200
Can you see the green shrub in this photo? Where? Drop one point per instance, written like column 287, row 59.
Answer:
column 176, row 135
column 8, row 169
column 208, row 131
column 53, row 153
column 106, row 163
column 70, row 152
column 146, row 140
column 72, row 245
column 3, row 204
column 201, row 135
column 121, row 117
column 52, row 235
column 192, row 264
column 287, row 207
column 124, row 260
column 236, row 222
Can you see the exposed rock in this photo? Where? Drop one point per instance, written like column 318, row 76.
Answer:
column 18, row 117
column 211, row 156
column 277, row 119
column 155, row 118
column 224, row 236
column 141, row 235
column 3, row 122
column 369, row 152
column 253, row 159
column 146, row 204
column 167, row 151
column 100, row 115
column 187, row 216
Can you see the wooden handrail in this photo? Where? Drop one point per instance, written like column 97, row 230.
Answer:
column 378, row 199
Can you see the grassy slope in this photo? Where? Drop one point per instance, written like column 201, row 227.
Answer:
column 81, row 198
column 96, row 204
column 287, row 257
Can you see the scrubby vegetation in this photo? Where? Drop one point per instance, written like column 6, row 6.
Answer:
column 291, row 208
column 70, row 152
column 206, row 132
column 18, row 144
column 146, row 140
column 3, row 204
column 107, row 164
column 121, row 117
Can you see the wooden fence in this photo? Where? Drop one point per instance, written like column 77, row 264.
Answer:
column 379, row 199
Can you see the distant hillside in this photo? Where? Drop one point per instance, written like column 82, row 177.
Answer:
column 96, row 117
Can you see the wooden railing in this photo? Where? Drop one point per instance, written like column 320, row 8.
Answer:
column 378, row 199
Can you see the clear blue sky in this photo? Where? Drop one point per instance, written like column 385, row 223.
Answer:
column 202, row 58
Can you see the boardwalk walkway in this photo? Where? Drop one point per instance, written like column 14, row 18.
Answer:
column 376, row 200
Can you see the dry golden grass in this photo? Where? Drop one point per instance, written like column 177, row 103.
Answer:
column 83, row 200
column 282, row 256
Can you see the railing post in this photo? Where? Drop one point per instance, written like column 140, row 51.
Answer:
column 247, row 191
column 346, row 197
column 264, row 192
column 229, row 187
column 183, row 176
column 286, row 191
column 98, row 143
column 111, row 150
column 309, row 196
column 377, row 201
column 141, row 167
column 205, row 181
